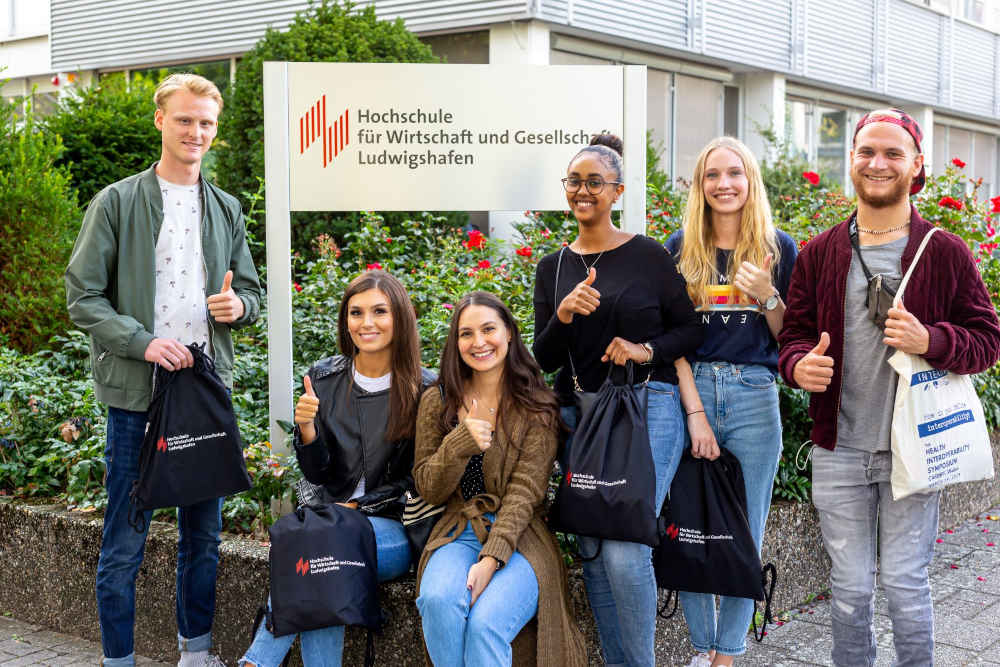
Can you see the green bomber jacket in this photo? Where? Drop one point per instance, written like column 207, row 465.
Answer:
column 110, row 282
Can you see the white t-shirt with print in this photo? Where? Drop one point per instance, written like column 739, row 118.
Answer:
column 180, row 303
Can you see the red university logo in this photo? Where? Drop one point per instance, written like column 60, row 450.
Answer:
column 302, row 567
column 161, row 444
column 313, row 126
column 672, row 531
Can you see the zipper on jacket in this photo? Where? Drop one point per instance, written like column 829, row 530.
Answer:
column 843, row 339
column 100, row 358
column 204, row 267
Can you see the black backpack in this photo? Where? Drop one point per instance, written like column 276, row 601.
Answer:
column 324, row 572
column 705, row 541
column 608, row 488
column 191, row 451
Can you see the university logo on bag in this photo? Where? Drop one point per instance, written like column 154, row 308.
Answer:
column 673, row 531
column 313, row 127
column 161, row 444
column 324, row 564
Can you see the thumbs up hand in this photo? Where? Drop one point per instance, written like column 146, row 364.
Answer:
column 226, row 306
column 755, row 282
column 814, row 371
column 306, row 410
column 583, row 300
column 480, row 426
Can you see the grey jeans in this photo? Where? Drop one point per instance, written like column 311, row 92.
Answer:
column 858, row 518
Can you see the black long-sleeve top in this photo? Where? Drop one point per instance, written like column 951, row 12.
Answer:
column 643, row 300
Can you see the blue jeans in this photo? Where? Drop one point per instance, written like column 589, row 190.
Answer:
column 621, row 586
column 457, row 634
column 741, row 403
column 122, row 551
column 857, row 515
column 325, row 647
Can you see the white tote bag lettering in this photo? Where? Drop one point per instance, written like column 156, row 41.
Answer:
column 939, row 434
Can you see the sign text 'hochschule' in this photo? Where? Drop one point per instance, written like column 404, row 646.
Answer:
column 382, row 136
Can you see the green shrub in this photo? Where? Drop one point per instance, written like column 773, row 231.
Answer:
column 107, row 132
column 38, row 222
column 328, row 31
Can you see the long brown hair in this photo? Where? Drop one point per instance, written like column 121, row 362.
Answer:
column 523, row 390
column 404, row 388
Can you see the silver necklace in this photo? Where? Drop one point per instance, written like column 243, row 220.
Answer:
column 592, row 264
column 884, row 231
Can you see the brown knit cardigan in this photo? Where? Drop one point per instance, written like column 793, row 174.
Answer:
column 516, row 478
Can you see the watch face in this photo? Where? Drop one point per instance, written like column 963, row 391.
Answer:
column 771, row 303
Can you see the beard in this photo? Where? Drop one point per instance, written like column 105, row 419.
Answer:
column 898, row 193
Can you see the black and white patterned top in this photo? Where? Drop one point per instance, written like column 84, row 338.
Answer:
column 473, row 483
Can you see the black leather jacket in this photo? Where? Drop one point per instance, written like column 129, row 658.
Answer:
column 350, row 441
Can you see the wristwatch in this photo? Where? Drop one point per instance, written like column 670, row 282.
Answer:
column 771, row 303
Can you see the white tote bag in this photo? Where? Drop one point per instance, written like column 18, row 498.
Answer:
column 939, row 434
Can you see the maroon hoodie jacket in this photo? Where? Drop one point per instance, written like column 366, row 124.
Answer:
column 945, row 292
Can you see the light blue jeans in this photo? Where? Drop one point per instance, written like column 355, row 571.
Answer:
column 858, row 516
column 621, row 586
column 741, row 403
column 479, row 635
column 325, row 647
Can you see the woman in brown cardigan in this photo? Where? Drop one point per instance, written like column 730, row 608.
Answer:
column 485, row 447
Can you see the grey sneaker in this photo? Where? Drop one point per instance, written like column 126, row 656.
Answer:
column 213, row 661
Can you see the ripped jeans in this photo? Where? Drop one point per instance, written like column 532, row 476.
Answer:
column 857, row 515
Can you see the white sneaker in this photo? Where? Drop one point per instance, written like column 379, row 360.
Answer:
column 216, row 661
column 700, row 660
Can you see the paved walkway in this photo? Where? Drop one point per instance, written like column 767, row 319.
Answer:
column 965, row 586
column 965, row 583
column 26, row 644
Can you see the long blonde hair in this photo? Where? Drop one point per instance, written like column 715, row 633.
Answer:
column 757, row 237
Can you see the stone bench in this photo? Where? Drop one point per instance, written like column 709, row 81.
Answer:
column 49, row 558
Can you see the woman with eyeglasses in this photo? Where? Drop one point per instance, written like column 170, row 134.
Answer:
column 619, row 298
column 737, row 267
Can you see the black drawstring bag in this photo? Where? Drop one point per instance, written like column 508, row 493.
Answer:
column 705, row 544
column 609, row 483
column 191, row 451
column 324, row 572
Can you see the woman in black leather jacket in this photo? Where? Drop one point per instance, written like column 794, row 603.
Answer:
column 354, row 436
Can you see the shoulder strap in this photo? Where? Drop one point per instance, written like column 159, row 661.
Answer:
column 909, row 271
column 555, row 302
column 852, row 233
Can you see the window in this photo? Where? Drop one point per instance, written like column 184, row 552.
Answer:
column 699, row 119
column 819, row 135
column 731, row 104
column 978, row 150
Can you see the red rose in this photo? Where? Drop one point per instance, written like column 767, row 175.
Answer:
column 951, row 202
column 388, row 239
column 476, row 240
column 524, row 252
column 958, row 163
column 447, row 306
column 995, row 205
column 811, row 176
column 483, row 264
column 373, row 266
column 298, row 287
column 547, row 233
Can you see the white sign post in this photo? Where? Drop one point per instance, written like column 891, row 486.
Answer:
column 408, row 137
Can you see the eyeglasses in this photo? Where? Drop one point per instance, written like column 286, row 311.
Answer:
column 594, row 185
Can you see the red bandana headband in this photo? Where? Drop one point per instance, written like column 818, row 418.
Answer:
column 905, row 121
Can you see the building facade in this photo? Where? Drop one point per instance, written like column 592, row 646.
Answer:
column 805, row 70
